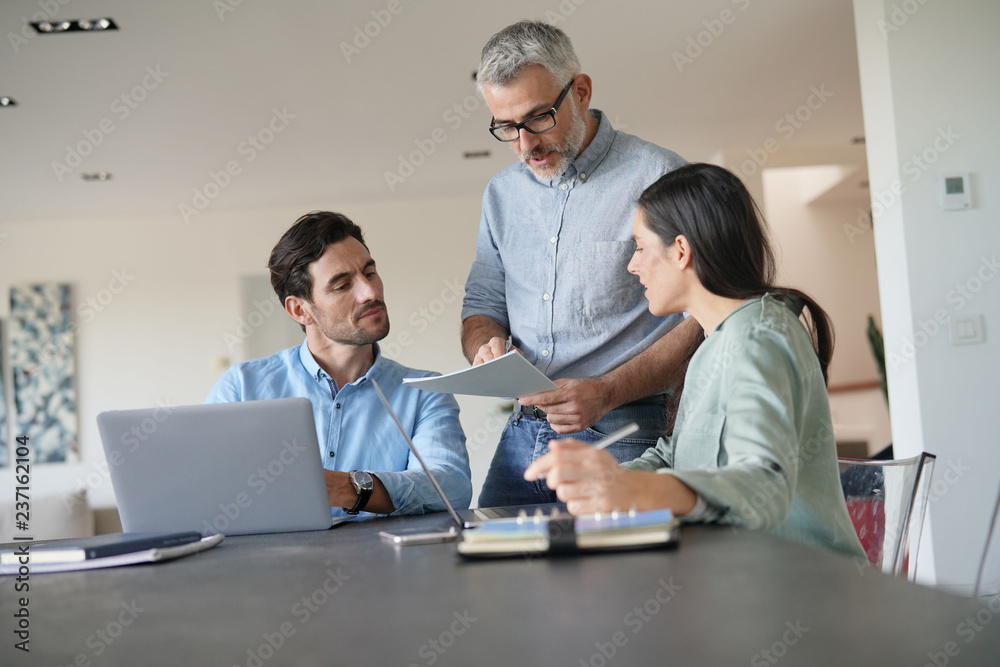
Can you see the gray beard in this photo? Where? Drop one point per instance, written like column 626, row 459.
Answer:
column 568, row 151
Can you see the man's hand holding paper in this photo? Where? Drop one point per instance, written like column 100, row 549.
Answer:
column 577, row 404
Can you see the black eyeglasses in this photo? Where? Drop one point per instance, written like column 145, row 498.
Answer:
column 543, row 122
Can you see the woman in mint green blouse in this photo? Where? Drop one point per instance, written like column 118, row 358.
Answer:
column 753, row 441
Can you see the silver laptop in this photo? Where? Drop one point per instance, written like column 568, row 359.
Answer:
column 232, row 468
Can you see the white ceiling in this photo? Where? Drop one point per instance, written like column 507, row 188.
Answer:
column 223, row 74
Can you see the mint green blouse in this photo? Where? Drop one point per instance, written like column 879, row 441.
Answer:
column 754, row 436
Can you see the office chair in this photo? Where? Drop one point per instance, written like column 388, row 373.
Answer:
column 988, row 577
column 887, row 501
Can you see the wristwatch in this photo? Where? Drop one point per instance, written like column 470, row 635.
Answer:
column 364, row 485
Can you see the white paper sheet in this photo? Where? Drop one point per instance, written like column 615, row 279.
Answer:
column 509, row 376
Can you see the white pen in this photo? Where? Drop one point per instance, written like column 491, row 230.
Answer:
column 616, row 436
column 611, row 439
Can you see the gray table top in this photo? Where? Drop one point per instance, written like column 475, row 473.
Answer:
column 341, row 597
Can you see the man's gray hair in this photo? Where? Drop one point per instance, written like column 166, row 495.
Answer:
column 521, row 45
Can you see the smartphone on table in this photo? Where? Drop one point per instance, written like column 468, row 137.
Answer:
column 405, row 537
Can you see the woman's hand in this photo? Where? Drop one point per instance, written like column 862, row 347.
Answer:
column 590, row 480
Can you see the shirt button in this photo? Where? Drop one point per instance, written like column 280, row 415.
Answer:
column 331, row 454
column 338, row 406
column 545, row 353
column 546, row 297
column 583, row 177
column 564, row 187
column 553, row 239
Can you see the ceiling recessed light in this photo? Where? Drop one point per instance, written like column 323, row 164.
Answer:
column 75, row 25
column 97, row 176
column 857, row 141
column 95, row 24
column 8, row 102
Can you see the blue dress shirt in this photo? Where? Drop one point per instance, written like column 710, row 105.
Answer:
column 552, row 256
column 356, row 432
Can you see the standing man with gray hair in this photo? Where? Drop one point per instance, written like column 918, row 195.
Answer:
column 550, row 272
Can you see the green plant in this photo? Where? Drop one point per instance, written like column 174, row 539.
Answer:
column 878, row 350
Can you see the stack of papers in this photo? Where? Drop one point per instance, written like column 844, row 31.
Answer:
column 509, row 376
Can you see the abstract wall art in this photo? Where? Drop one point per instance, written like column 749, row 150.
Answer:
column 42, row 354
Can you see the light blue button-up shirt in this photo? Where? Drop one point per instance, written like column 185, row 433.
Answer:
column 357, row 433
column 552, row 257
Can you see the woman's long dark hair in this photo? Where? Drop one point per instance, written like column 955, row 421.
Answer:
column 732, row 256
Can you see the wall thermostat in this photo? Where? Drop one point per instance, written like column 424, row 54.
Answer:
column 955, row 192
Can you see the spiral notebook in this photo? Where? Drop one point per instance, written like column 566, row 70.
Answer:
column 557, row 534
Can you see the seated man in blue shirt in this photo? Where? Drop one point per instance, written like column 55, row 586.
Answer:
column 323, row 273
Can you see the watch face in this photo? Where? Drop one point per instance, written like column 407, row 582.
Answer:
column 362, row 481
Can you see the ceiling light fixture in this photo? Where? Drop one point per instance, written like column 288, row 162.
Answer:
column 94, row 24
column 75, row 25
column 469, row 155
column 8, row 102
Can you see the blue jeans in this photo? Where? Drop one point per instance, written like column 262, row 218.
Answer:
column 525, row 439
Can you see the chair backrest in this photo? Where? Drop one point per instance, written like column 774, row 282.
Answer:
column 887, row 501
column 988, row 577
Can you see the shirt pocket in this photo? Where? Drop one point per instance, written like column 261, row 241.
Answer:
column 601, row 282
column 699, row 442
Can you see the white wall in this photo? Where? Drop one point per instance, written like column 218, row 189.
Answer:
column 161, row 338
column 929, row 75
column 818, row 257
column 811, row 211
